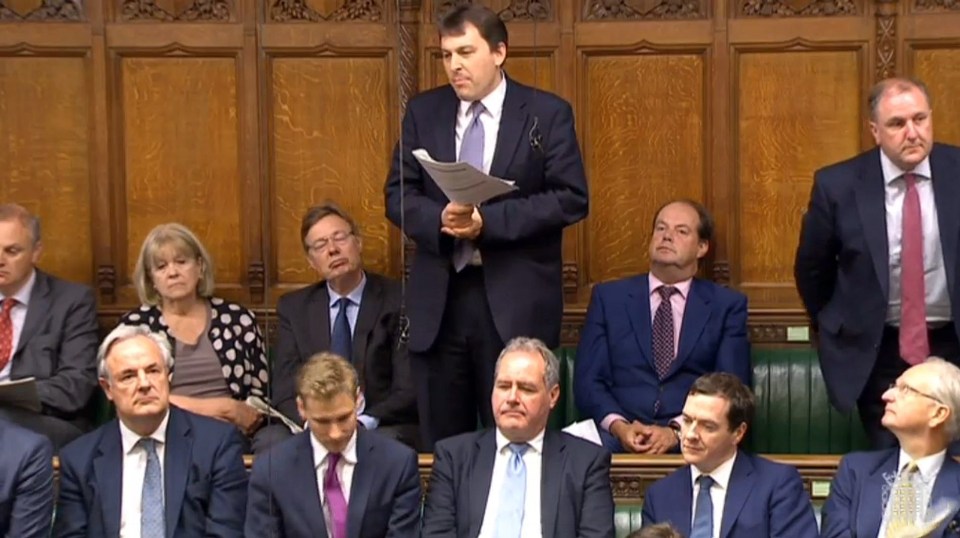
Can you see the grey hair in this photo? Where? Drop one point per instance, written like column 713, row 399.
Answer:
column 551, row 374
column 29, row 221
column 945, row 387
column 126, row 332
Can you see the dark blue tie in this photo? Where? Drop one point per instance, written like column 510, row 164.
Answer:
column 703, row 515
column 341, row 341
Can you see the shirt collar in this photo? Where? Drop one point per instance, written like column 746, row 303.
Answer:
column 892, row 172
column 493, row 102
column 320, row 452
column 536, row 443
column 720, row 475
column 683, row 286
column 929, row 466
column 23, row 294
column 355, row 296
column 129, row 438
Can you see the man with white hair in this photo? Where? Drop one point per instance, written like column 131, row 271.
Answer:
column 911, row 490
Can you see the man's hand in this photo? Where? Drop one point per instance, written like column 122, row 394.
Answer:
column 656, row 439
column 246, row 418
column 456, row 215
column 629, row 434
column 471, row 227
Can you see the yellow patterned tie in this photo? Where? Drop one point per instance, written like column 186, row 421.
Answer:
column 905, row 501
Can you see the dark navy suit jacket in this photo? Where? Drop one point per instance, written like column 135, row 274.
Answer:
column 26, row 482
column 615, row 370
column 763, row 498
column 204, row 479
column 522, row 231
column 384, row 495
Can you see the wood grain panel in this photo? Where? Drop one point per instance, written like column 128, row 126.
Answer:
column 180, row 144
column 331, row 139
column 45, row 155
column 940, row 70
column 643, row 145
column 786, row 129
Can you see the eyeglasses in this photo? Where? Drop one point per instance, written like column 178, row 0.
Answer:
column 906, row 390
column 338, row 238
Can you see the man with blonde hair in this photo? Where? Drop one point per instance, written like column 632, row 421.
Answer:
column 345, row 480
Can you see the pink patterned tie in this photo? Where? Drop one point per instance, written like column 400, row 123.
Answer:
column 336, row 503
column 6, row 331
column 663, row 338
column 914, row 345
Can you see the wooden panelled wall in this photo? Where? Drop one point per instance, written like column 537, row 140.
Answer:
column 231, row 116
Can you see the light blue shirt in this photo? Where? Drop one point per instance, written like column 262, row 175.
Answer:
column 353, row 310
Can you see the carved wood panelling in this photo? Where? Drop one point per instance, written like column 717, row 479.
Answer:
column 940, row 69
column 181, row 157
column 797, row 8
column 41, row 10
column 643, row 144
column 785, row 132
column 176, row 10
column 331, row 133
column 936, row 5
column 598, row 10
column 527, row 10
column 886, row 62
column 320, row 10
column 440, row 7
column 44, row 154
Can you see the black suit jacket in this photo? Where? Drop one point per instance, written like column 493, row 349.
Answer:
column 576, row 499
column 842, row 262
column 58, row 345
column 522, row 231
column 381, row 362
column 384, row 499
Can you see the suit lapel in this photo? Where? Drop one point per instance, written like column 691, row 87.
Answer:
column 873, row 493
column 638, row 312
column 304, row 482
column 947, row 486
column 513, row 120
column 873, row 215
column 738, row 490
column 318, row 319
column 695, row 316
column 551, row 469
column 946, row 190
column 481, row 473
column 108, row 477
column 370, row 305
column 363, row 475
column 176, row 466
column 446, row 127
column 36, row 311
column 680, row 510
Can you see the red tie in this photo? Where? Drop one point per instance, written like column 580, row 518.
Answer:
column 914, row 345
column 6, row 332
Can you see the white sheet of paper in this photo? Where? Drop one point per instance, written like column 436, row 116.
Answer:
column 585, row 429
column 20, row 393
column 461, row 182
column 260, row 405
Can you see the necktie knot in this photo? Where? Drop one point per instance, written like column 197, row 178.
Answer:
column 910, row 179
column 149, row 445
column 476, row 108
column 8, row 305
column 706, row 481
column 342, row 304
column 333, row 458
column 666, row 292
column 910, row 468
column 519, row 449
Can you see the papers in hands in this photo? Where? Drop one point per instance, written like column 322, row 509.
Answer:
column 20, row 393
column 461, row 182
column 257, row 403
column 585, row 429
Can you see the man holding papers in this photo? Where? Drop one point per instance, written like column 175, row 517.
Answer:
column 485, row 272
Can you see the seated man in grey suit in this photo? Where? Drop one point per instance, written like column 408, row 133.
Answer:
column 156, row 470
column 26, row 483
column 335, row 479
column 48, row 331
column 350, row 312
column 520, row 479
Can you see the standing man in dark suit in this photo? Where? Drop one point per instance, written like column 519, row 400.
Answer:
column 877, row 264
column 156, row 470
column 26, row 482
column 482, row 275
column 520, row 479
column 640, row 353
column 353, row 313
column 882, row 493
column 334, row 480
column 723, row 491
column 48, row 331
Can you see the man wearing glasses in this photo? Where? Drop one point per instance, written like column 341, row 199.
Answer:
column 352, row 313
column 912, row 490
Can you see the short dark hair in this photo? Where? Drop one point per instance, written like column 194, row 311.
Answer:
column 730, row 388
column 486, row 21
column 660, row 530
column 704, row 230
column 899, row 85
column 318, row 212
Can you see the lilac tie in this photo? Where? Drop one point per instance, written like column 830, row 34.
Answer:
column 663, row 353
column 471, row 152
column 336, row 503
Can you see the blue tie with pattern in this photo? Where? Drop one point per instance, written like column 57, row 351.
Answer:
column 341, row 341
column 471, row 152
column 510, row 512
column 703, row 515
column 151, row 499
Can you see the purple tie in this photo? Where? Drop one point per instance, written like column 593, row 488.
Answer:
column 471, row 152
column 914, row 342
column 336, row 503
column 663, row 332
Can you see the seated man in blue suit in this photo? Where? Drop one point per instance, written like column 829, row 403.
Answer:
column 923, row 411
column 520, row 479
column 647, row 338
column 334, row 479
column 156, row 470
column 26, row 482
column 723, row 491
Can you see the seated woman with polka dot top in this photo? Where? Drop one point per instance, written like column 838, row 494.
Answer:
column 218, row 349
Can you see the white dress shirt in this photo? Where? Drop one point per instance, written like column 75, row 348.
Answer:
column 345, row 468
column 490, row 119
column 935, row 276
column 533, row 462
column 718, row 493
column 928, row 468
column 134, row 468
column 18, row 315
